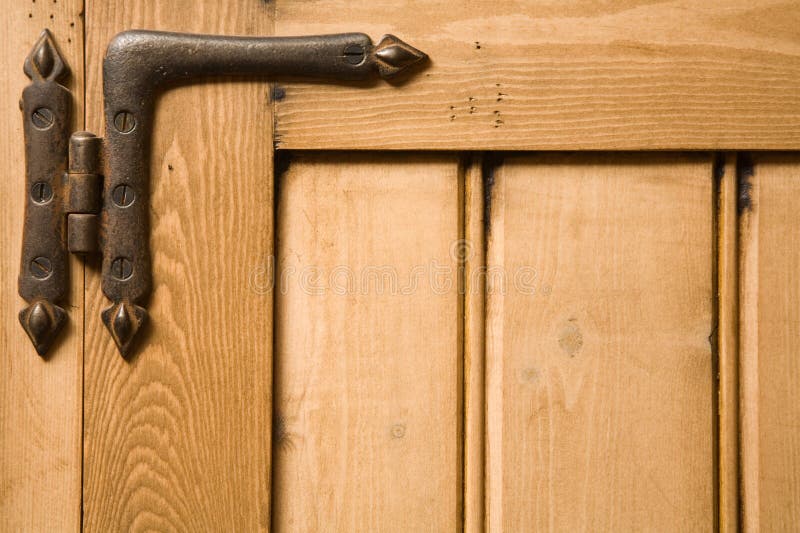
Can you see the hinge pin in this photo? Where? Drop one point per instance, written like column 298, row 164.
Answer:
column 84, row 183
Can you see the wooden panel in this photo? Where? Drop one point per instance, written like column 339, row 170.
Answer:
column 544, row 74
column 599, row 365
column 728, row 343
column 178, row 438
column 40, row 399
column 770, row 339
column 367, row 346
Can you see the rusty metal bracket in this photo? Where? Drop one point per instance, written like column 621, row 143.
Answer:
column 46, row 106
column 137, row 64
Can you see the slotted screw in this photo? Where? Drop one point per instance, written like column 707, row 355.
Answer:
column 124, row 122
column 41, row 267
column 122, row 195
column 354, row 54
column 41, row 192
column 42, row 118
column 121, row 268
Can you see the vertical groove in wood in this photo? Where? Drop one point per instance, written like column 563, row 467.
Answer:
column 178, row 438
column 40, row 399
column 459, row 254
column 748, row 207
column 727, row 343
column 473, row 340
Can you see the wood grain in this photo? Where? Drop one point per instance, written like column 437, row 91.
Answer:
column 748, row 247
column 178, row 439
column 599, row 366
column 473, row 253
column 367, row 345
column 40, row 399
column 770, row 330
column 727, row 339
column 538, row 74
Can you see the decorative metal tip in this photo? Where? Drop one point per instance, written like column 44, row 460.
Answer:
column 44, row 63
column 394, row 56
column 42, row 321
column 124, row 320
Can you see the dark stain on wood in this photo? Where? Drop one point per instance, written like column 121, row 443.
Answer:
column 490, row 163
column 277, row 93
column 281, row 438
column 745, row 172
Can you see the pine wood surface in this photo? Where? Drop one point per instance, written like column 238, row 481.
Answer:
column 178, row 438
column 543, row 75
column 599, row 365
column 770, row 333
column 40, row 399
column 367, row 345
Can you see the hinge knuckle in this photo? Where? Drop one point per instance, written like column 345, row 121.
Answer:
column 85, row 191
column 82, row 233
column 84, row 196
column 85, row 153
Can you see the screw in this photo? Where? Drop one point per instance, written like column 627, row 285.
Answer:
column 122, row 195
column 354, row 54
column 41, row 267
column 41, row 192
column 124, row 122
column 42, row 118
column 121, row 268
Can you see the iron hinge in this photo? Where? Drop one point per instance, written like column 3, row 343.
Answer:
column 87, row 194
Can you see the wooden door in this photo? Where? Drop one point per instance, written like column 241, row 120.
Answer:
column 547, row 282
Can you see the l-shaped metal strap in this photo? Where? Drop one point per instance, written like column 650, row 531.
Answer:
column 116, row 220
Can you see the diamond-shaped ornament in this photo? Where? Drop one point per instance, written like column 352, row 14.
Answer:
column 124, row 320
column 42, row 320
column 393, row 56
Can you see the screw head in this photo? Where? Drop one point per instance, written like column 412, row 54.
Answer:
column 41, row 192
column 41, row 267
column 124, row 122
column 123, row 195
column 42, row 118
column 121, row 268
column 354, row 54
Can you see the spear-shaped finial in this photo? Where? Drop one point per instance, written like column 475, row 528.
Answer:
column 42, row 320
column 44, row 62
column 392, row 56
column 124, row 320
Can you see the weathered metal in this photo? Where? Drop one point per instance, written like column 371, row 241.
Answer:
column 46, row 107
column 136, row 65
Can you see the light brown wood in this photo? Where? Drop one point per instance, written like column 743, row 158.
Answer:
column 727, row 339
column 748, row 344
column 473, row 253
column 367, row 345
column 599, row 365
column 178, row 439
column 770, row 336
column 40, row 399
column 538, row 74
